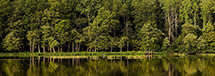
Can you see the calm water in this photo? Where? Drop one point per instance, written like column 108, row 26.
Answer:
column 156, row 66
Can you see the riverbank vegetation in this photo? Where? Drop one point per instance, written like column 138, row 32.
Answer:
column 107, row 25
column 81, row 54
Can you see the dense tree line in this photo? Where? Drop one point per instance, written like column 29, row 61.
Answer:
column 107, row 25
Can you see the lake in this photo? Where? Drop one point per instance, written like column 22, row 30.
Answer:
column 121, row 66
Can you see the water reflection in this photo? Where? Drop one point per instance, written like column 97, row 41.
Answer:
column 165, row 66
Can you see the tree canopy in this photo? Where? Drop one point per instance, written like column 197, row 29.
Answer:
column 107, row 25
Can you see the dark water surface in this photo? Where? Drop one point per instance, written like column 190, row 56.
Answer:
column 156, row 66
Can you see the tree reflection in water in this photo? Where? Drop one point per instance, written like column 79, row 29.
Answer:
column 165, row 66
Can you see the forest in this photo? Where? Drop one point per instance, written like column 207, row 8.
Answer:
column 107, row 25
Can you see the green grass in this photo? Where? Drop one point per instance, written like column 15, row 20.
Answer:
column 108, row 55
column 28, row 54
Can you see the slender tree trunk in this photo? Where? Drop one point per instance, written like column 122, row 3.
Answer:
column 53, row 49
column 120, row 49
column 89, row 49
column 69, row 46
column 126, row 22
column 58, row 48
column 61, row 48
column 49, row 48
column 33, row 46
column 176, row 23
column 195, row 17
column 169, row 28
column 76, row 47
column 39, row 48
column 88, row 19
column 30, row 47
column 111, row 49
column 79, row 47
column 127, row 46
column 172, row 26
column 73, row 47
column 44, row 49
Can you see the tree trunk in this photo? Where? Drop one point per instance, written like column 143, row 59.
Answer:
column 126, row 22
column 172, row 26
column 30, row 47
column 88, row 49
column 58, row 48
column 127, row 46
column 49, row 48
column 73, row 47
column 39, row 48
column 33, row 46
column 53, row 49
column 79, row 47
column 61, row 48
column 169, row 27
column 69, row 46
column 44, row 49
column 111, row 49
column 176, row 24
column 195, row 17
column 76, row 47
column 120, row 49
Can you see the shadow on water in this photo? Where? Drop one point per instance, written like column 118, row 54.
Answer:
column 103, row 66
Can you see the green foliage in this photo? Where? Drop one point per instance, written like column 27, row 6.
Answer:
column 121, row 42
column 209, row 27
column 189, row 39
column 210, row 40
column 190, row 42
column 189, row 28
column 144, row 11
column 165, row 44
column 89, row 8
column 53, row 43
column 186, row 10
column 46, row 34
column 101, row 25
column 208, row 36
column 33, row 36
column 113, row 42
column 62, row 31
column 150, row 37
column 206, row 7
column 13, row 41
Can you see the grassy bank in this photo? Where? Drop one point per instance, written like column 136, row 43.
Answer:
column 102, row 54
column 96, row 55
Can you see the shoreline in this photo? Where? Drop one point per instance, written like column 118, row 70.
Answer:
column 129, row 54
column 99, row 54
